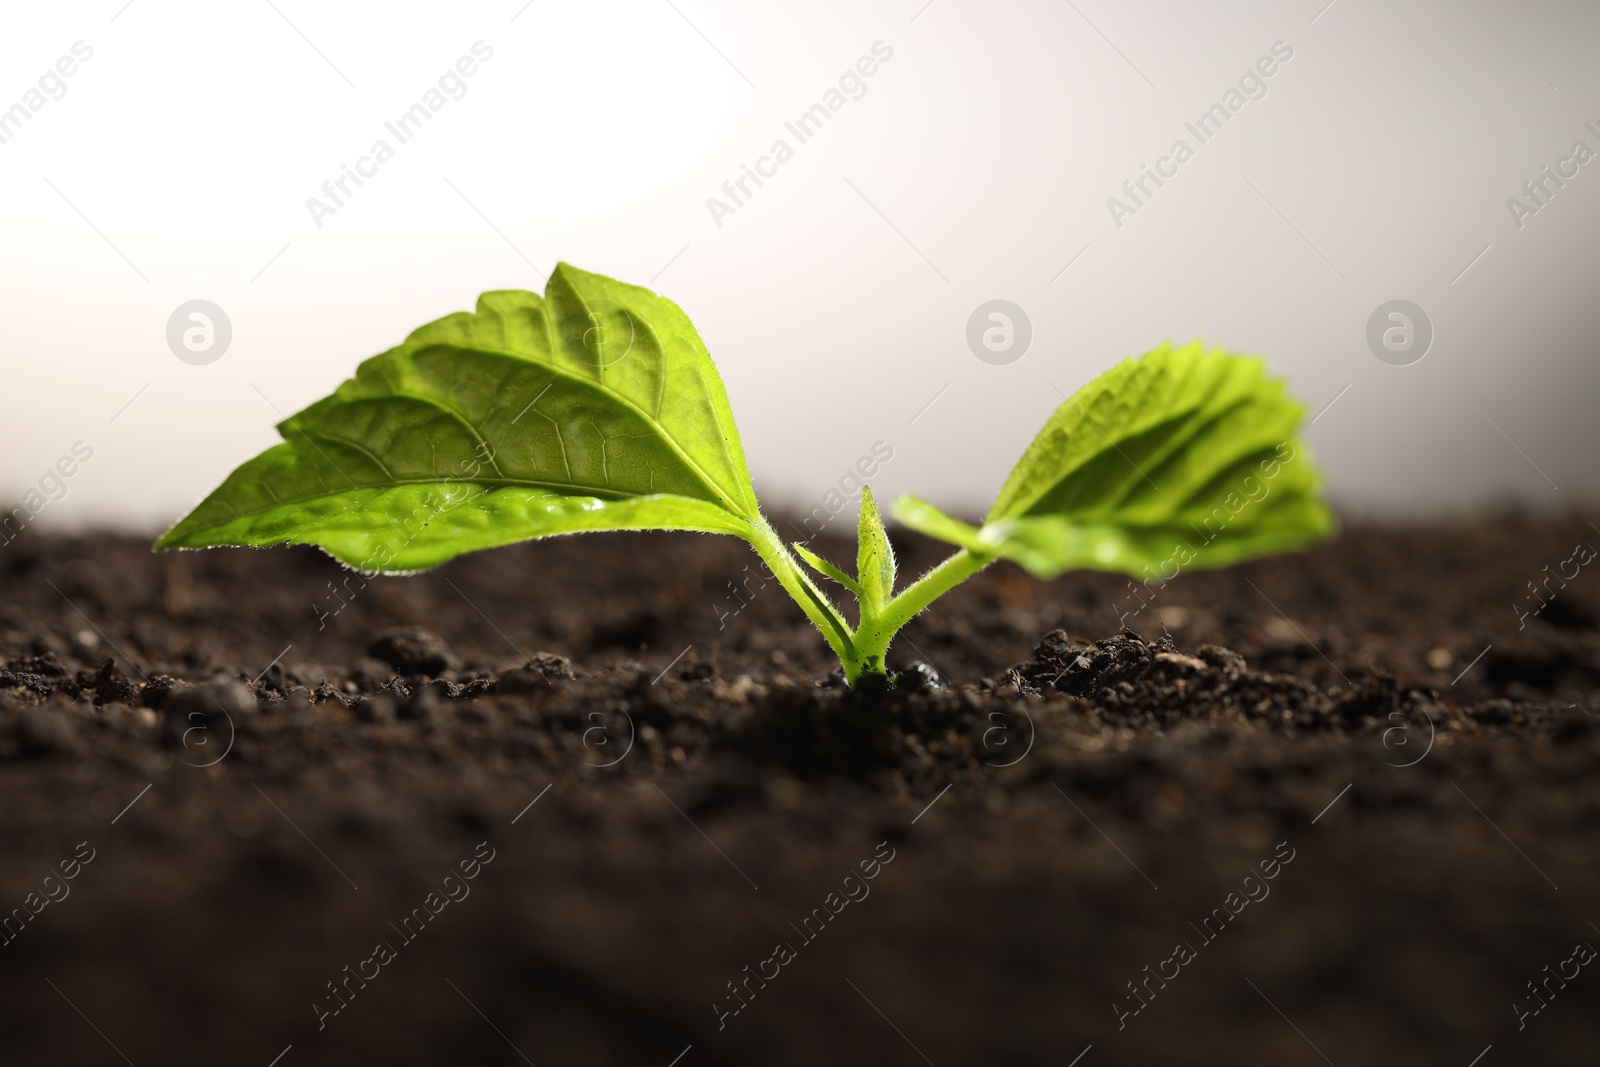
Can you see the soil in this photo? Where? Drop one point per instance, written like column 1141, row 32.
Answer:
column 574, row 803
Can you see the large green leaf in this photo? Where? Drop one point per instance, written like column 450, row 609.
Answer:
column 595, row 407
column 1183, row 458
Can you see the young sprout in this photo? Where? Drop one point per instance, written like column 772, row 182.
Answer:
column 597, row 407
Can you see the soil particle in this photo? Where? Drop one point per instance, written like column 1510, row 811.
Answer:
column 551, row 666
column 212, row 700
column 542, row 669
column 520, row 680
column 379, row 709
column 45, row 731
column 413, row 650
column 159, row 690
column 423, row 702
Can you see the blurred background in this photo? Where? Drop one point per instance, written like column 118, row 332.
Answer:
column 1367, row 205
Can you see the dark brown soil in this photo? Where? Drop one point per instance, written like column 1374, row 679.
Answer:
column 267, row 791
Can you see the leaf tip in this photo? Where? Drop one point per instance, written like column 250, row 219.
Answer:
column 177, row 536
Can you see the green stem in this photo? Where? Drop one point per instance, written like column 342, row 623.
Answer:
column 862, row 650
column 818, row 608
column 877, row 631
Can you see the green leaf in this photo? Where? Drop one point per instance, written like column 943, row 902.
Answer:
column 1050, row 545
column 1183, row 458
column 413, row 527
column 924, row 518
column 874, row 556
column 595, row 407
column 824, row 567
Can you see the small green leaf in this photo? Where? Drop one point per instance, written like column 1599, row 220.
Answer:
column 1183, row 458
column 874, row 556
column 824, row 567
column 595, row 407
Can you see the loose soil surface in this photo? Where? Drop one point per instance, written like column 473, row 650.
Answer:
column 1337, row 808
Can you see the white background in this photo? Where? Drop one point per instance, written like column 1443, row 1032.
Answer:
column 976, row 166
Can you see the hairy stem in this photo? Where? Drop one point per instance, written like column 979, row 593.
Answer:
column 877, row 631
column 862, row 650
column 818, row 608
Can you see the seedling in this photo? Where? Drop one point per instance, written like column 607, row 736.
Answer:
column 597, row 407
